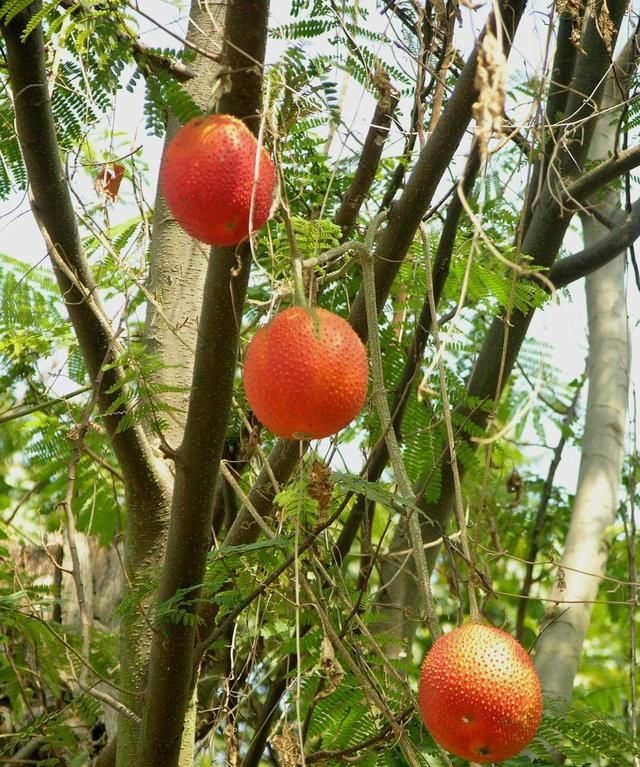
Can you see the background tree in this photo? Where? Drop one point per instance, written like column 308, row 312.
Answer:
column 219, row 591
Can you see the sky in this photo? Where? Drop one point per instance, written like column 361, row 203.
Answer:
column 20, row 238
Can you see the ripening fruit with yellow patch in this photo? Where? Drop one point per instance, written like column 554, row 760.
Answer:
column 480, row 694
column 208, row 178
column 306, row 373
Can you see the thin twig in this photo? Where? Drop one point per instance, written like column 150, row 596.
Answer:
column 385, row 734
column 374, row 697
column 35, row 488
column 230, row 617
column 629, row 520
column 538, row 526
column 70, row 648
column 228, row 475
column 187, row 43
column 67, row 505
column 446, row 408
column 155, row 60
column 19, row 411
column 23, row 755
column 395, row 456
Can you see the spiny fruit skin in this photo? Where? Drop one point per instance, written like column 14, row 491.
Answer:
column 306, row 373
column 207, row 177
column 479, row 694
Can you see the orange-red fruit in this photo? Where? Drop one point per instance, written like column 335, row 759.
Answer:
column 306, row 373
column 479, row 694
column 207, row 177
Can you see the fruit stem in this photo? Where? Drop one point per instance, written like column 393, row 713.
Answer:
column 296, row 258
column 298, row 282
column 395, row 456
column 474, row 611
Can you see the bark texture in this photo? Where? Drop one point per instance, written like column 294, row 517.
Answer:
column 178, row 263
column 177, row 271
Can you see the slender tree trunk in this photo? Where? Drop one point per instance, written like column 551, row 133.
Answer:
column 565, row 623
column 172, row 675
column 147, row 481
column 177, row 271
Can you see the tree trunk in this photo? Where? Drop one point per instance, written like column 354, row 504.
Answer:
column 178, row 263
column 565, row 623
column 172, row 674
column 177, row 271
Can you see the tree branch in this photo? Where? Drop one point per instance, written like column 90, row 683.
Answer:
column 441, row 265
column 561, row 73
column 393, row 449
column 380, row 454
column 406, row 214
column 394, row 241
column 184, row 41
column 268, row 711
column 143, row 53
column 608, row 170
column 385, row 733
column 347, row 214
column 19, row 411
column 549, row 220
column 586, row 261
column 542, row 240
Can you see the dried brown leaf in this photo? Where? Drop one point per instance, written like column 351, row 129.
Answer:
column 107, row 182
column 332, row 671
column 573, row 9
column 490, row 82
column 287, row 747
column 606, row 27
column 320, row 486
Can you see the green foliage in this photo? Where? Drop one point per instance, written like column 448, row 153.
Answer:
column 30, row 322
column 373, row 491
column 12, row 8
column 165, row 95
column 314, row 237
column 582, row 734
column 13, row 176
column 272, row 599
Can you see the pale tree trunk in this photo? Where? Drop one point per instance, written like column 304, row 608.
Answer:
column 565, row 624
column 178, row 263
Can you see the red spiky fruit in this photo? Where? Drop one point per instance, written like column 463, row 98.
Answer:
column 207, row 177
column 306, row 373
column 479, row 694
